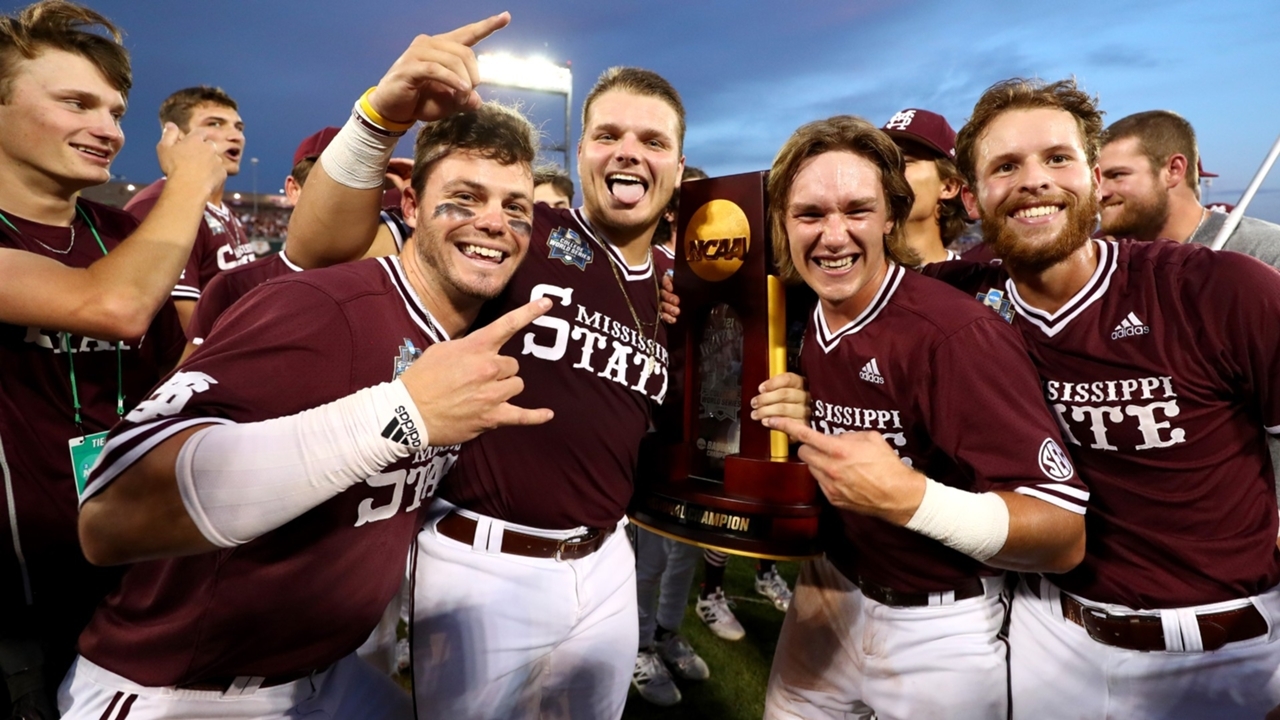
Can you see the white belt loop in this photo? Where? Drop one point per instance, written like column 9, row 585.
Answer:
column 945, row 597
column 243, row 686
column 1051, row 596
column 488, row 537
column 1172, row 630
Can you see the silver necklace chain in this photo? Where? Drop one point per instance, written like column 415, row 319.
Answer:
column 56, row 250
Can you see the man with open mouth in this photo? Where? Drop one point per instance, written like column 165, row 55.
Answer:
column 222, row 243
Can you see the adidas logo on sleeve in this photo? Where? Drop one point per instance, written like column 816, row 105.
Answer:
column 1129, row 327
column 871, row 373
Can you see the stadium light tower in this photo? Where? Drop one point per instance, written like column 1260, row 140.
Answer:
column 537, row 74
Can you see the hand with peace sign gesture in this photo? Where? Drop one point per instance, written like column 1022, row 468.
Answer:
column 436, row 76
column 461, row 387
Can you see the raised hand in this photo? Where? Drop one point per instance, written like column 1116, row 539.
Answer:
column 190, row 158
column 858, row 471
column 462, row 386
column 436, row 76
column 669, row 307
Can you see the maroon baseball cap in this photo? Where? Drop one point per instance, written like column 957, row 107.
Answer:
column 928, row 128
column 1200, row 169
column 311, row 148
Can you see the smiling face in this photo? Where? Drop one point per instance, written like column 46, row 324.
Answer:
column 836, row 221
column 472, row 225
column 1036, row 192
column 224, row 127
column 629, row 162
column 1135, row 203
column 61, row 125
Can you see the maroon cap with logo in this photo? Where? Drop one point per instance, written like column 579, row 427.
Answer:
column 928, row 128
column 311, row 148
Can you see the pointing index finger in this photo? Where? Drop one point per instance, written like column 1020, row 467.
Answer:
column 801, row 432
column 471, row 34
column 497, row 333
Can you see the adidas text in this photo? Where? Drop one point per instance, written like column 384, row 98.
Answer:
column 1130, row 331
column 402, row 429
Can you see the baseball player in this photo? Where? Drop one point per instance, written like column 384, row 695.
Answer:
column 521, row 570
column 286, row 500
column 938, row 468
column 83, row 333
column 553, row 186
column 938, row 216
column 222, row 243
column 1160, row 362
column 228, row 286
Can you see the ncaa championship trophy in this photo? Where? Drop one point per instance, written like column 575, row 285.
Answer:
column 711, row 476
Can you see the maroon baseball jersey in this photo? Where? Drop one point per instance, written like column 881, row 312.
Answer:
column 220, row 242
column 587, row 361
column 1162, row 372
column 304, row 595
column 950, row 387
column 40, row 559
column 229, row 286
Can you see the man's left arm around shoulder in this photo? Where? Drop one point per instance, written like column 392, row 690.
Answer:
column 222, row 485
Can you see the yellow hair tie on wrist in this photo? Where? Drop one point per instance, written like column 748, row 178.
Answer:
column 378, row 119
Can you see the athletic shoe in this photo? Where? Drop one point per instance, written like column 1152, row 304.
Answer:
column 653, row 680
column 772, row 586
column 714, row 611
column 680, row 656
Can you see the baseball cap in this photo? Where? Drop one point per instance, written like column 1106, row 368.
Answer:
column 928, row 128
column 313, row 145
column 1200, row 169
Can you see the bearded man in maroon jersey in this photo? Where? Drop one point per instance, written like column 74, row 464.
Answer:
column 269, row 491
column 1161, row 362
column 940, row 469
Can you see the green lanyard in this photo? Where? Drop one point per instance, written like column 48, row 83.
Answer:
column 66, row 343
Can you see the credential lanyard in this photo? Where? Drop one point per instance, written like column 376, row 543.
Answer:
column 66, row 343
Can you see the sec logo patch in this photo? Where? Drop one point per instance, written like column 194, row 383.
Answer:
column 1054, row 463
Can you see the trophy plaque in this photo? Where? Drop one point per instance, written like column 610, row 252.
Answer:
column 711, row 475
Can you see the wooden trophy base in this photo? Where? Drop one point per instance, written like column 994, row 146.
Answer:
column 763, row 509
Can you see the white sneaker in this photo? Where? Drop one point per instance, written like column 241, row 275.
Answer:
column 772, row 586
column 680, row 656
column 714, row 611
column 653, row 681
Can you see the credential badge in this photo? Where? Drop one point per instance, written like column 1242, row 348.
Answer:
column 996, row 300
column 408, row 353
column 215, row 225
column 567, row 246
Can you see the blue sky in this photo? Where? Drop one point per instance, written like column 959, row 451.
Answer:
column 750, row 73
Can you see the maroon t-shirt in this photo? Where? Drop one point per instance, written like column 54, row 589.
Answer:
column 221, row 243
column 586, row 361
column 1163, row 372
column 37, row 417
column 951, row 389
column 308, row 593
column 229, row 286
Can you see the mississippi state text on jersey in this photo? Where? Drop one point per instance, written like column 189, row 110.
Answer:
column 950, row 387
column 587, row 361
column 1162, row 372
column 308, row 593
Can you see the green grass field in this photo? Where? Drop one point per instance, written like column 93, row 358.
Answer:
column 739, row 670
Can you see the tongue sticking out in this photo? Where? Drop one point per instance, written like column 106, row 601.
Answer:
column 629, row 193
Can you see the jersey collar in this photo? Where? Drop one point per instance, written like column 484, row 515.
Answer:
column 1053, row 323
column 629, row 272
column 412, row 303
column 828, row 340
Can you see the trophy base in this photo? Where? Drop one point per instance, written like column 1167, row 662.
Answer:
column 698, row 512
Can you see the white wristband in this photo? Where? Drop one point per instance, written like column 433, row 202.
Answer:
column 976, row 524
column 357, row 157
column 239, row 481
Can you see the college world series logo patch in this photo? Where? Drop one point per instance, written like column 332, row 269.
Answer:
column 996, row 300
column 408, row 353
column 569, row 248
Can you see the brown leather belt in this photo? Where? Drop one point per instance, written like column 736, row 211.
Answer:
column 463, row 529
column 225, row 684
column 1146, row 632
column 969, row 588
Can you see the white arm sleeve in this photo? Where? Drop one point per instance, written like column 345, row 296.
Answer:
column 239, row 481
